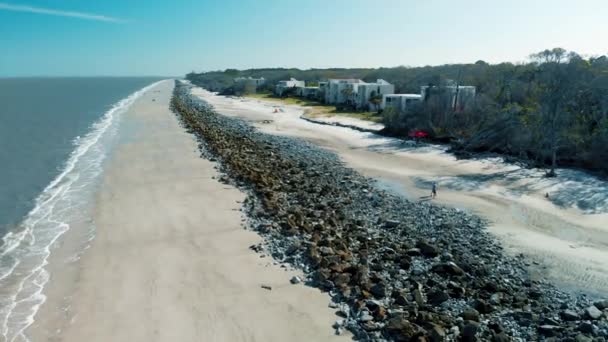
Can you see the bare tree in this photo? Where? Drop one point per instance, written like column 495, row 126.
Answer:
column 553, row 87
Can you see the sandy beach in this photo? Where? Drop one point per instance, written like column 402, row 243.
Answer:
column 566, row 238
column 170, row 260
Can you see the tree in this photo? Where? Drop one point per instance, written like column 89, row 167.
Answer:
column 553, row 86
column 375, row 99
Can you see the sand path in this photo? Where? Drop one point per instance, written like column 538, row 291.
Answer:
column 567, row 239
column 170, row 261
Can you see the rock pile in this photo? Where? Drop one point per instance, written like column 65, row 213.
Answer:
column 395, row 270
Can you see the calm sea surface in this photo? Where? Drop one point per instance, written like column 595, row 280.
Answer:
column 40, row 118
column 55, row 134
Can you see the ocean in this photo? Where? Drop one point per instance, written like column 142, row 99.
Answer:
column 55, row 134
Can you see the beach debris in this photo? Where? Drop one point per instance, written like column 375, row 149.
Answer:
column 267, row 287
column 295, row 280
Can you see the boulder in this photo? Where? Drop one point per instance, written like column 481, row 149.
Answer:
column 469, row 332
column 426, row 249
column 447, row 267
column 436, row 297
column 470, row 314
column 593, row 313
column 602, row 304
column 570, row 315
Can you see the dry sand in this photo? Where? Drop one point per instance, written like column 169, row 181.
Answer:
column 567, row 238
column 170, row 260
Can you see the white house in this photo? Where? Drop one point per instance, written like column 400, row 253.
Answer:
column 341, row 91
column 459, row 96
column 399, row 102
column 284, row 85
column 367, row 91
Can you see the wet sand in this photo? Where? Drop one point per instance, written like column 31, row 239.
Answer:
column 170, row 260
column 566, row 239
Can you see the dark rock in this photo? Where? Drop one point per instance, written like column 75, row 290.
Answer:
column 449, row 268
column 482, row 306
column 549, row 330
column 470, row 314
column 500, row 337
column 496, row 327
column 378, row 290
column 427, row 249
column 469, row 332
column 391, row 223
column 602, row 304
column 437, row 297
column 436, row 333
column 400, row 329
column 587, row 328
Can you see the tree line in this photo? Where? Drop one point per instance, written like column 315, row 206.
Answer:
column 550, row 111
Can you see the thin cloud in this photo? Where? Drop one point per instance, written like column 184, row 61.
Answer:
column 59, row 13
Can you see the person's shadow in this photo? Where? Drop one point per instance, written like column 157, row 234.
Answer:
column 425, row 198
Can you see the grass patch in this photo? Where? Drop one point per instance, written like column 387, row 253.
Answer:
column 315, row 109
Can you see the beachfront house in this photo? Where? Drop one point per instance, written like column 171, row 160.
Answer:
column 369, row 95
column 342, row 91
column 399, row 103
column 283, row 86
column 456, row 96
column 323, row 85
column 308, row 92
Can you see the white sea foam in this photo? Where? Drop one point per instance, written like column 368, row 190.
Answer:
column 25, row 252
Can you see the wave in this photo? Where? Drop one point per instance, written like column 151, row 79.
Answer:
column 25, row 252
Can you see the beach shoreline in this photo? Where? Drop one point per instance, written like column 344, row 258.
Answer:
column 170, row 260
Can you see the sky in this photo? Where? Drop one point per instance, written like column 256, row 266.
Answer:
column 171, row 38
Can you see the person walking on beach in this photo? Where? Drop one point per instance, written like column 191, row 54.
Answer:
column 434, row 190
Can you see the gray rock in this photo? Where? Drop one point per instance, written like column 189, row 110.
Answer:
column 570, row 315
column 295, row 280
column 365, row 316
column 582, row 338
column 496, row 298
column 593, row 313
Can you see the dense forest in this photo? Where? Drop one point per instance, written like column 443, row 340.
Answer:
column 552, row 110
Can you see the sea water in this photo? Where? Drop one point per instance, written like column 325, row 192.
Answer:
column 55, row 134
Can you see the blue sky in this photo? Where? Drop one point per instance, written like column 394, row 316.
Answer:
column 153, row 37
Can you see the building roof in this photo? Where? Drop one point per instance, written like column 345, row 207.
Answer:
column 409, row 96
column 346, row 80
